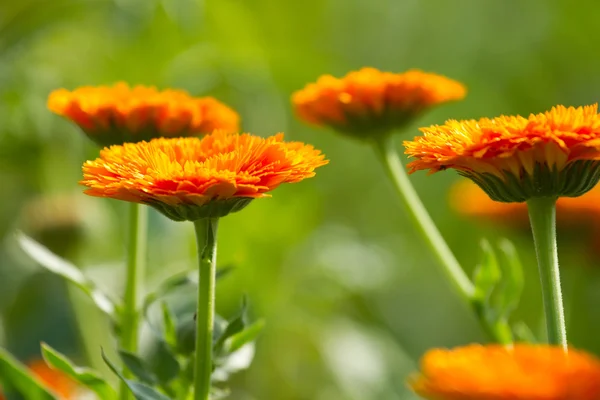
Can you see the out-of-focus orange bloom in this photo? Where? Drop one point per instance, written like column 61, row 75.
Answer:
column 470, row 200
column 56, row 381
column 513, row 159
column 118, row 114
column 368, row 103
column 495, row 372
column 193, row 178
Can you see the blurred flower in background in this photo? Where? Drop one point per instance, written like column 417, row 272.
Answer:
column 117, row 114
column 496, row 372
column 371, row 102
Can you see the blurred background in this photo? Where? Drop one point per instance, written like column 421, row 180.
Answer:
column 351, row 296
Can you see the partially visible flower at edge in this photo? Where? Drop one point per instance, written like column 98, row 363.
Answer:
column 120, row 113
column 56, row 381
column 194, row 178
column 496, row 372
column 470, row 200
column 370, row 103
column 513, row 159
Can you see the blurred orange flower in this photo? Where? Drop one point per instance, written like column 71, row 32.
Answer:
column 193, row 178
column 470, row 200
column 118, row 114
column 495, row 372
column 56, row 381
column 555, row 153
column 371, row 102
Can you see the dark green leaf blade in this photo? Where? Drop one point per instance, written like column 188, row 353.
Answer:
column 513, row 280
column 137, row 367
column 140, row 391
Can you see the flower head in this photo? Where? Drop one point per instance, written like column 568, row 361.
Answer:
column 513, row 159
column 193, row 178
column 495, row 372
column 369, row 103
column 118, row 114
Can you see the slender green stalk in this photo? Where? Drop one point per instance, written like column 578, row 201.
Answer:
column 421, row 219
column 136, row 260
column 206, row 237
column 542, row 215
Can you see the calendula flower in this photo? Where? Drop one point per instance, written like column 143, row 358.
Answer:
column 193, row 178
column 370, row 103
column 118, row 114
column 470, row 200
column 513, row 159
column 495, row 372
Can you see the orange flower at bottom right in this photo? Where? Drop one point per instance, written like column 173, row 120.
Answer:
column 495, row 372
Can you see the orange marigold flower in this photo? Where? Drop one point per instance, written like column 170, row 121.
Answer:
column 468, row 199
column 513, row 159
column 193, row 178
column 118, row 114
column 495, row 372
column 370, row 102
column 56, row 381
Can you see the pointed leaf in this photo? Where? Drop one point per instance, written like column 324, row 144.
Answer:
column 486, row 275
column 164, row 364
column 169, row 325
column 248, row 335
column 513, row 280
column 65, row 269
column 234, row 326
column 84, row 376
column 140, row 391
column 137, row 367
column 15, row 375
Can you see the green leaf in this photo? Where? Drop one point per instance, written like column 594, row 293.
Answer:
column 164, row 364
column 236, row 325
column 169, row 325
column 247, row 335
column 65, row 269
column 15, row 375
column 140, row 391
column 137, row 367
column 486, row 275
column 523, row 333
column 84, row 376
column 513, row 281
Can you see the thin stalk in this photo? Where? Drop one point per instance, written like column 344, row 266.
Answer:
column 206, row 237
column 421, row 219
column 542, row 215
column 136, row 266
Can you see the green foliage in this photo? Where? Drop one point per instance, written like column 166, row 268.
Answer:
column 84, row 376
column 66, row 270
column 16, row 378
column 498, row 288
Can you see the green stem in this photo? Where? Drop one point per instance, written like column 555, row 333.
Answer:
column 206, row 237
column 542, row 215
column 136, row 260
column 421, row 219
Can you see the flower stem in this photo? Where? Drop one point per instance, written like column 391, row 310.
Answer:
column 542, row 215
column 136, row 265
column 421, row 219
column 206, row 238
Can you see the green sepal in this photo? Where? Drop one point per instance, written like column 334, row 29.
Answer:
column 192, row 212
column 574, row 180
